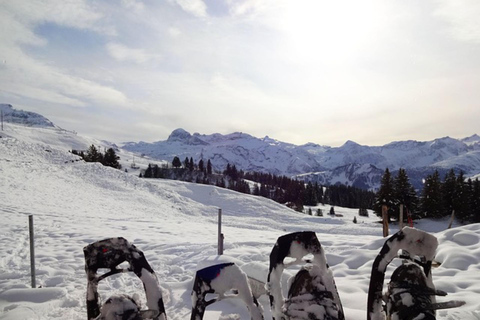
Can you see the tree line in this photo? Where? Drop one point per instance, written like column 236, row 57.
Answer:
column 437, row 199
column 109, row 159
column 295, row 193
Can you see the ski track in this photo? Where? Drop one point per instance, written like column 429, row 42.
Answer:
column 174, row 224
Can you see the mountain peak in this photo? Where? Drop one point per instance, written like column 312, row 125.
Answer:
column 183, row 136
column 26, row 118
column 472, row 138
column 179, row 135
column 350, row 143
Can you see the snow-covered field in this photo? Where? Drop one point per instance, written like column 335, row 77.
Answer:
column 175, row 225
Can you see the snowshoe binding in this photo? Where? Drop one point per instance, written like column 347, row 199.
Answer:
column 108, row 254
column 411, row 293
column 225, row 280
column 312, row 293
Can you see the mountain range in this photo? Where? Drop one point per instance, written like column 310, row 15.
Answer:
column 351, row 164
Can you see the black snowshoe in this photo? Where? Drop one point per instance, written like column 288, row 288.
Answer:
column 411, row 293
column 225, row 280
column 108, row 254
column 312, row 294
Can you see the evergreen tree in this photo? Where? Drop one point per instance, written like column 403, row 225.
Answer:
column 475, row 201
column 385, row 195
column 404, row 194
column 191, row 165
column 111, row 159
column 176, row 162
column 461, row 197
column 449, row 187
column 310, row 195
column 200, row 165
column 431, row 200
column 148, row 172
column 93, row 155
column 209, row 167
column 186, row 163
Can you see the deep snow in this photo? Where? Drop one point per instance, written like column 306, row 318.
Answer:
column 174, row 223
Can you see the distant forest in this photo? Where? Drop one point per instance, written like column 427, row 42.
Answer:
column 282, row 189
column 439, row 198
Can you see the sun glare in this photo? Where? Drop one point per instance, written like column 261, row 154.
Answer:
column 329, row 31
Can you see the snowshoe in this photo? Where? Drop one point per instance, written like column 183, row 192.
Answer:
column 312, row 293
column 411, row 293
column 108, row 254
column 225, row 280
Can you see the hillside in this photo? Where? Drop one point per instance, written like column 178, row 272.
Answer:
column 76, row 203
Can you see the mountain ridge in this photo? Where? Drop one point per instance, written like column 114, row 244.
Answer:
column 351, row 164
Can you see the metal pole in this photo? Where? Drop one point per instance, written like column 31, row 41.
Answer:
column 220, row 234
column 32, row 250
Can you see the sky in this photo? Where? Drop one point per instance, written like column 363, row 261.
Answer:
column 301, row 71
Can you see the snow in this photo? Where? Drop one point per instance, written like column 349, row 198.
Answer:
column 174, row 223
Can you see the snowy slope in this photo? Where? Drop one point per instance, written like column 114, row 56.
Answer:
column 76, row 203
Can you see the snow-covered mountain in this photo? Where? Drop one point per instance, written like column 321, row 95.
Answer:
column 351, row 163
column 23, row 117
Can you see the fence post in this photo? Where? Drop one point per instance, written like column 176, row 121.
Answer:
column 385, row 220
column 220, row 234
column 32, row 250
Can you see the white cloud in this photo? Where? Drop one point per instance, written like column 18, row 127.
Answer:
column 196, row 7
column 124, row 53
column 463, row 17
column 23, row 75
column 74, row 13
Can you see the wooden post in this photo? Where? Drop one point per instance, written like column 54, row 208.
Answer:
column 220, row 234
column 385, row 220
column 400, row 220
column 32, row 250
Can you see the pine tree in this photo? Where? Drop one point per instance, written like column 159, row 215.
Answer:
column 475, row 201
column 176, row 162
column 385, row 195
column 209, row 167
column 404, row 193
column 431, row 200
column 93, row 155
column 449, row 192
column 310, row 195
column 148, row 172
column 111, row 159
column 200, row 165
column 191, row 165
column 461, row 197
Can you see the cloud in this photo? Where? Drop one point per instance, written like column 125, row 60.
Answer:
column 463, row 18
column 74, row 13
column 196, row 7
column 121, row 52
column 24, row 75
